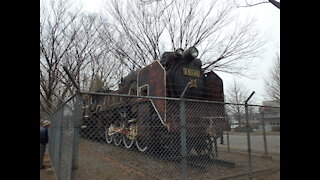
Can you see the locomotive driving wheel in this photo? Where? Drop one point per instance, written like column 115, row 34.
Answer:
column 108, row 133
column 141, row 145
column 141, row 139
column 117, row 135
column 129, row 135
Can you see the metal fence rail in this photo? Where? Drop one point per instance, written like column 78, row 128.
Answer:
column 111, row 136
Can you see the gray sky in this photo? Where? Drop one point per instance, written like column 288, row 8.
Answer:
column 268, row 22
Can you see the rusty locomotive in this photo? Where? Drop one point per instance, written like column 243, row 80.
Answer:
column 154, row 124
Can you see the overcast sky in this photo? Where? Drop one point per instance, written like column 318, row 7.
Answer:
column 268, row 22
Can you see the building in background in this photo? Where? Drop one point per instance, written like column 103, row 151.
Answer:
column 270, row 116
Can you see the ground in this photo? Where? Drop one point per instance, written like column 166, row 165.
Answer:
column 99, row 161
column 117, row 163
column 47, row 173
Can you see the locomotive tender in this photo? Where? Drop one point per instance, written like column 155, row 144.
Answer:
column 154, row 124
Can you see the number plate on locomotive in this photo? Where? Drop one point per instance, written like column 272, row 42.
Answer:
column 191, row 72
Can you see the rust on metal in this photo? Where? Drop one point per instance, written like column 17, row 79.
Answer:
column 154, row 76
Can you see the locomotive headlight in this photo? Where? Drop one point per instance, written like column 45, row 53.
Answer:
column 193, row 52
column 190, row 53
column 179, row 51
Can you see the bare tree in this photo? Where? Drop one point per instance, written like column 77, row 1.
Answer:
column 236, row 94
column 143, row 31
column 89, row 55
column 137, row 31
column 246, row 3
column 55, row 41
column 73, row 39
column 256, row 2
column 96, row 84
column 273, row 83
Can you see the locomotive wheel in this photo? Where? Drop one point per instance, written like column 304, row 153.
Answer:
column 107, row 132
column 141, row 145
column 117, row 137
column 142, row 139
column 128, row 140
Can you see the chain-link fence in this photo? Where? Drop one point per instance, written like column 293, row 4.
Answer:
column 63, row 134
column 112, row 136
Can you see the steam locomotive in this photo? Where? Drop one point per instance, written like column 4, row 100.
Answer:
column 154, row 124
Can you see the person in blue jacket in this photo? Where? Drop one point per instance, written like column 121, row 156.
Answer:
column 44, row 139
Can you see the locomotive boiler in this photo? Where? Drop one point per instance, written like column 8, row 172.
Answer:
column 153, row 124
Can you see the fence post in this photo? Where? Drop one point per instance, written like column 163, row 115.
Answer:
column 264, row 135
column 228, row 141
column 183, row 140
column 248, row 133
column 76, row 124
column 75, row 139
column 59, row 132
